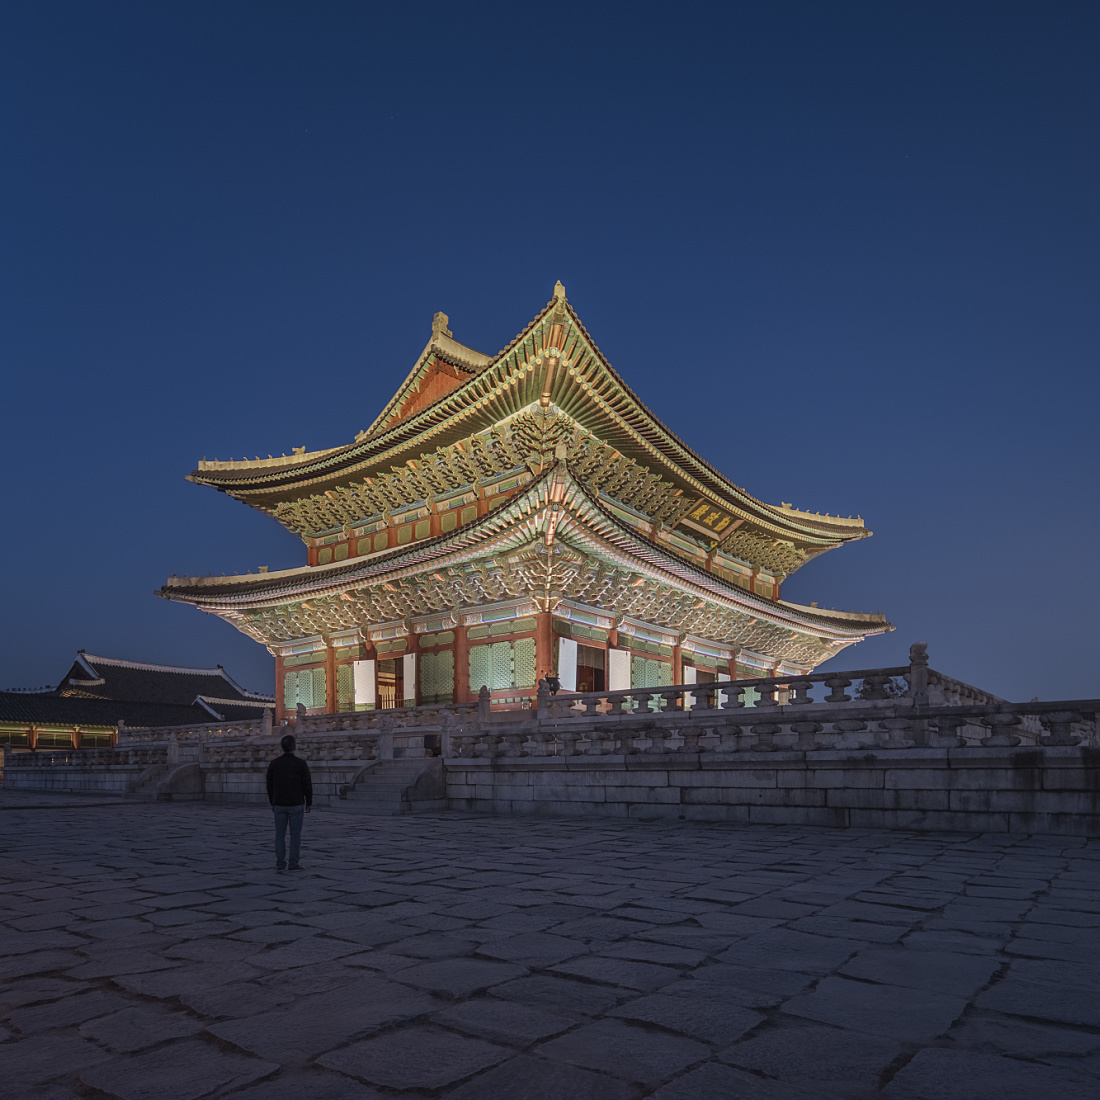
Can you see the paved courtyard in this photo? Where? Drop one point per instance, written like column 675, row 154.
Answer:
column 151, row 951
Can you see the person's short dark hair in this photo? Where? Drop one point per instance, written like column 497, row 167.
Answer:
column 288, row 743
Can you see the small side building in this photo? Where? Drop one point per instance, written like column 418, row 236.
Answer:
column 99, row 694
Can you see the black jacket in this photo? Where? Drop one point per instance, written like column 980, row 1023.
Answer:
column 289, row 782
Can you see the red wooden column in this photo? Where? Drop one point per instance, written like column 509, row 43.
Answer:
column 544, row 644
column 677, row 664
column 412, row 645
column 280, row 690
column 462, row 664
column 330, row 679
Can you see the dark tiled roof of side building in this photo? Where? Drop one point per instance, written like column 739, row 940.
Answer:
column 49, row 709
column 136, row 682
column 102, row 691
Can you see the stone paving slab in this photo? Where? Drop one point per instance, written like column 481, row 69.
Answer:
column 453, row 957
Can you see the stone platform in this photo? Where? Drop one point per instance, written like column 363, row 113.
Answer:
column 149, row 950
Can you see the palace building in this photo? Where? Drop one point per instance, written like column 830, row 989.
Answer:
column 99, row 695
column 511, row 514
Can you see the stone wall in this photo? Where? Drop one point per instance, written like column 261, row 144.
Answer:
column 76, row 778
column 1028, row 790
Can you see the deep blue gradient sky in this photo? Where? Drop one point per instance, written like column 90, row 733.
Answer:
column 848, row 251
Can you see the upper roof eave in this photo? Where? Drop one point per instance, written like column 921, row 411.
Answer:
column 265, row 589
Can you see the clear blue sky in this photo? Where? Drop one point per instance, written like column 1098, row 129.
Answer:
column 848, row 251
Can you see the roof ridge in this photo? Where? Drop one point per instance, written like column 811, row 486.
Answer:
column 145, row 666
column 236, row 702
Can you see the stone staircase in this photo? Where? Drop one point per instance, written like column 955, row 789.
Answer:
column 391, row 787
column 147, row 785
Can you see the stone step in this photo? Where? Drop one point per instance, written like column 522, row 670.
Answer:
column 387, row 789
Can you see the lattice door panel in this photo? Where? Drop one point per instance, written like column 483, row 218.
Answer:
column 502, row 671
column 523, row 657
column 320, row 684
column 480, row 668
column 345, row 688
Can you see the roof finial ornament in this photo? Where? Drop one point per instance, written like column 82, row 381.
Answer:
column 439, row 325
column 559, row 290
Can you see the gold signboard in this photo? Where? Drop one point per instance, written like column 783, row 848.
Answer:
column 708, row 518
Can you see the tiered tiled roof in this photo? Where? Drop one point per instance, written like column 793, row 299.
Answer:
column 425, row 578
column 576, row 381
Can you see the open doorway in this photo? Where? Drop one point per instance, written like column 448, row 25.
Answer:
column 391, row 685
column 591, row 668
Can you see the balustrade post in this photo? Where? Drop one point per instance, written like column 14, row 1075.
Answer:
column 807, row 741
column 1001, row 723
column 895, row 729
column 542, row 700
column 487, row 746
column 767, row 700
column 848, row 728
column 1060, row 724
column 918, row 673
column 733, row 700
column 598, row 742
column 542, row 740
column 626, row 744
column 729, row 737
column 514, row 742
column 800, row 692
column 704, row 696
column 765, row 737
column 947, row 734
column 483, row 704
column 615, row 702
column 691, row 736
column 569, row 739
column 874, row 687
column 462, row 746
column 671, row 701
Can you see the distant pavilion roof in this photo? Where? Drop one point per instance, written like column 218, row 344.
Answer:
column 102, row 691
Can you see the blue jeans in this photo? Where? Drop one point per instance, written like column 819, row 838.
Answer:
column 292, row 816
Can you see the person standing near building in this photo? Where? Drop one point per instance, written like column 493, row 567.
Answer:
column 290, row 792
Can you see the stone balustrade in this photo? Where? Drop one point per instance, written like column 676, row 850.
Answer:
column 889, row 747
column 588, row 726
column 208, row 731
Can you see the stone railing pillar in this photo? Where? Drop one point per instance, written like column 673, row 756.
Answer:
column 807, row 735
column 895, row 730
column 765, row 737
column 947, row 732
column 918, row 673
column 848, row 730
column 1059, row 723
column 1001, row 723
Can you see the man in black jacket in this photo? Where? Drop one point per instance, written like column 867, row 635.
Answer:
column 290, row 792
